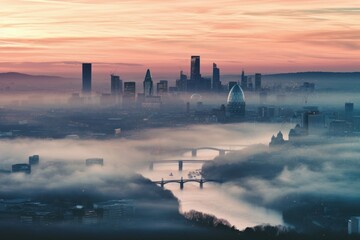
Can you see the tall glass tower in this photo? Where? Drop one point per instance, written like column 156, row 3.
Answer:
column 86, row 78
column 195, row 68
column 116, row 85
column 236, row 102
column 148, row 84
column 215, row 83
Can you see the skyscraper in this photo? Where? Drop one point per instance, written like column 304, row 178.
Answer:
column 308, row 111
column 236, row 102
column 231, row 84
column 162, row 87
column 195, row 68
column 257, row 81
column 86, row 78
column 181, row 83
column 129, row 93
column 116, row 85
column 244, row 83
column 216, row 84
column 148, row 84
column 129, row 89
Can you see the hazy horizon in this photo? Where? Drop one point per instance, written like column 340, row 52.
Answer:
column 247, row 125
column 129, row 37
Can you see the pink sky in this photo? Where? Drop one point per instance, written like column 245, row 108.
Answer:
column 127, row 37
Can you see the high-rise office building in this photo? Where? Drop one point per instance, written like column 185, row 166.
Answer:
column 148, row 84
column 129, row 93
column 196, row 82
column 231, row 84
column 257, row 81
column 216, row 84
column 249, row 83
column 34, row 160
column 236, row 102
column 195, row 68
column 116, row 85
column 21, row 167
column 162, row 87
column 181, row 83
column 86, row 78
column 129, row 88
column 243, row 83
column 309, row 111
column 349, row 111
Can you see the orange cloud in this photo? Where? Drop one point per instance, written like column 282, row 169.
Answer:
column 263, row 35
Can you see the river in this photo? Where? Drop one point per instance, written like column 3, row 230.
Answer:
column 216, row 199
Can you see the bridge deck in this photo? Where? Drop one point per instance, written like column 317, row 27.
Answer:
column 187, row 180
column 183, row 160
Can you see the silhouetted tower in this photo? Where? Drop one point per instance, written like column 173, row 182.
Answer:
column 216, row 84
column 86, row 78
column 129, row 93
column 311, row 110
column 162, row 87
column 148, row 84
column 243, row 83
column 236, row 102
column 181, row 83
column 116, row 85
column 195, row 68
column 257, row 82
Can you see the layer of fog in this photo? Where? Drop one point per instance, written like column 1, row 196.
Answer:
column 62, row 162
column 256, row 178
column 295, row 100
column 327, row 169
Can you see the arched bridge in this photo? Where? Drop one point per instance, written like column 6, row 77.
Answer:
column 183, row 181
column 179, row 162
column 221, row 151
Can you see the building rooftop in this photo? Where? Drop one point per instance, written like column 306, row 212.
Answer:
column 236, row 95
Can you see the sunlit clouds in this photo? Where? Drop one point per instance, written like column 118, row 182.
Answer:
column 264, row 36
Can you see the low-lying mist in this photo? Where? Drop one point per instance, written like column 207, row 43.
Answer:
column 325, row 170
column 314, row 180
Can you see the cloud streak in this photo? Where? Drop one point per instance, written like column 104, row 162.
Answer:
column 266, row 33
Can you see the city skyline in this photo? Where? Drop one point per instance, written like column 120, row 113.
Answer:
column 193, row 119
column 268, row 37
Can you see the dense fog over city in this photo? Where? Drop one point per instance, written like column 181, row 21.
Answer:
column 302, row 181
column 326, row 168
column 314, row 177
column 236, row 158
column 192, row 119
column 62, row 171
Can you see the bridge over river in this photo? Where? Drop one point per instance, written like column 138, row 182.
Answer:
column 182, row 181
column 193, row 151
column 179, row 162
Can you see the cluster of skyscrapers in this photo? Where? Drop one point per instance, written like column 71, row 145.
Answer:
column 126, row 89
column 196, row 82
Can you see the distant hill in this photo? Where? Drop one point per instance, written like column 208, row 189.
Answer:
column 15, row 81
column 307, row 75
column 23, row 76
column 314, row 75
